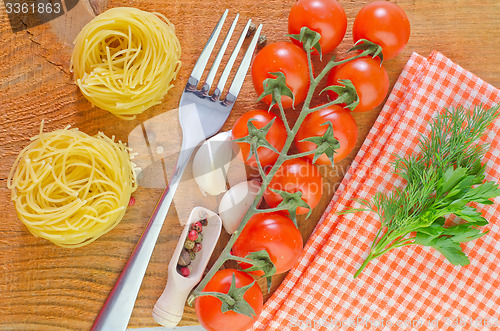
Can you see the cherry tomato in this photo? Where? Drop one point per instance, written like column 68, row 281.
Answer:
column 384, row 23
column 296, row 175
column 208, row 308
column 368, row 76
column 276, row 136
column 344, row 128
column 277, row 234
column 291, row 60
column 327, row 17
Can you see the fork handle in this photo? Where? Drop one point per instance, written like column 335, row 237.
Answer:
column 116, row 312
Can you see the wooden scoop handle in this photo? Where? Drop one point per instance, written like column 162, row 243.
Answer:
column 169, row 308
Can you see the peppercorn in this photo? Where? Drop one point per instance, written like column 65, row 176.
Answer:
column 197, row 247
column 199, row 239
column 185, row 271
column 197, row 227
column 184, row 258
column 192, row 235
column 189, row 244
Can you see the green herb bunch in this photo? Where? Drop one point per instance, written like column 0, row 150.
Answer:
column 443, row 179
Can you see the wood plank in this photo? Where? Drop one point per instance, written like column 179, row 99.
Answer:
column 45, row 287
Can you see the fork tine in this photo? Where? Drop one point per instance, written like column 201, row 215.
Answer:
column 218, row 58
column 245, row 64
column 200, row 65
column 230, row 62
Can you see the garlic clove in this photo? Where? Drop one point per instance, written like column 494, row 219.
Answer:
column 211, row 163
column 236, row 202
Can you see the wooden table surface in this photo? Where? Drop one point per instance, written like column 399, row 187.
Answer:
column 44, row 287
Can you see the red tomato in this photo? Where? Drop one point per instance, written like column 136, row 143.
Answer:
column 276, row 136
column 368, row 76
column 291, row 60
column 296, row 175
column 208, row 308
column 344, row 128
column 327, row 17
column 384, row 23
column 274, row 232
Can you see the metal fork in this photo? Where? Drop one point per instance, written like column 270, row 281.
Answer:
column 201, row 116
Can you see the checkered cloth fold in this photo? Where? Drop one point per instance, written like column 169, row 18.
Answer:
column 412, row 287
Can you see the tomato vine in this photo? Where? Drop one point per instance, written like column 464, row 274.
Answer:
column 276, row 88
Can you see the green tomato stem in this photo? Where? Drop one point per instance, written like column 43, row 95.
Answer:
column 299, row 155
column 282, row 112
column 307, row 48
column 340, row 99
column 240, row 259
column 222, row 296
column 259, row 165
column 362, row 54
column 269, row 210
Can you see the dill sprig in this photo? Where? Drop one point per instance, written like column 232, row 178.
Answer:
column 441, row 180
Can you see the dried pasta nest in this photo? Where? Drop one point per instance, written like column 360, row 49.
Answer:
column 71, row 188
column 125, row 60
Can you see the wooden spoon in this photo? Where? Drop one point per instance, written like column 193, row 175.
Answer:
column 169, row 308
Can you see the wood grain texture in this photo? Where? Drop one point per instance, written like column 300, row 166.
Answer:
column 44, row 287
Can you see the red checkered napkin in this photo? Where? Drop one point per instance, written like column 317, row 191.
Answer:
column 412, row 287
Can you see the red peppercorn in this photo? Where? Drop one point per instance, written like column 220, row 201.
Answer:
column 193, row 235
column 197, row 247
column 185, row 271
column 197, row 226
column 131, row 202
